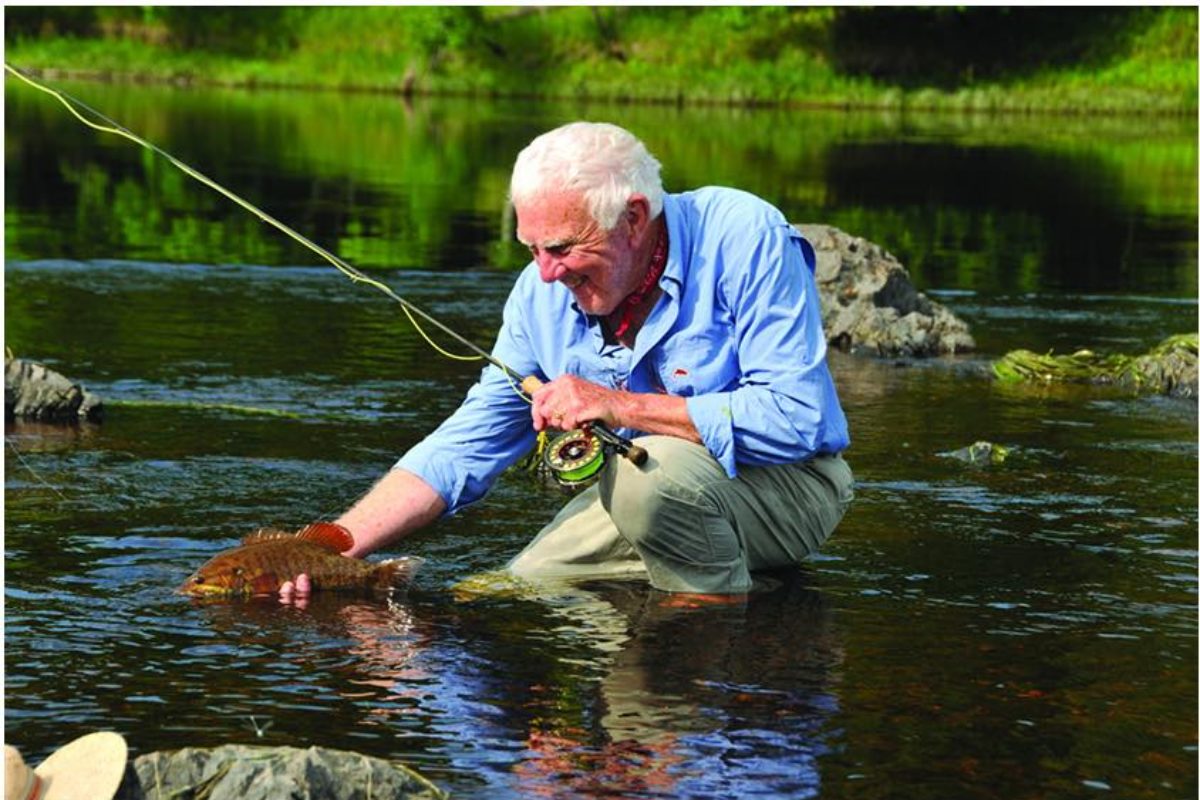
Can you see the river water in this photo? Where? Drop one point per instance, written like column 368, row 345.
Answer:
column 1019, row 630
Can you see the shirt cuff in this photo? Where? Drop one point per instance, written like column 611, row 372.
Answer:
column 439, row 473
column 712, row 414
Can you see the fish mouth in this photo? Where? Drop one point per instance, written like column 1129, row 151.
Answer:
column 213, row 594
column 196, row 591
column 193, row 588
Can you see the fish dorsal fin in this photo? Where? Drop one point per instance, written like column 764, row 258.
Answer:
column 266, row 535
column 329, row 535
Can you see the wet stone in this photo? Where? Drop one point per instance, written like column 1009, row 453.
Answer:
column 247, row 772
column 34, row 391
column 980, row 453
column 870, row 306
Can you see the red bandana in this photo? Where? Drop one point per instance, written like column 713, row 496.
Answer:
column 658, row 262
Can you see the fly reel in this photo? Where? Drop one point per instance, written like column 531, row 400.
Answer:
column 574, row 458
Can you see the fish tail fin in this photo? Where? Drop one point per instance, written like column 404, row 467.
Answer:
column 397, row 572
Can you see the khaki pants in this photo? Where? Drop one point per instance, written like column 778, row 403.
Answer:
column 680, row 520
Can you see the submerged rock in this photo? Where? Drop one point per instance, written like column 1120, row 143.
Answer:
column 33, row 391
column 981, row 453
column 246, row 772
column 869, row 304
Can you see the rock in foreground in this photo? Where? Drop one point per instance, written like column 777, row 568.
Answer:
column 245, row 772
column 869, row 305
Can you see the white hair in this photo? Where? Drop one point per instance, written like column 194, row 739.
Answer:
column 606, row 163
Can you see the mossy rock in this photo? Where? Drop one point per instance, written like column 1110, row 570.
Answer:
column 1170, row 368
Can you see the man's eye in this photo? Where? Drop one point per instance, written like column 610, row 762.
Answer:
column 552, row 250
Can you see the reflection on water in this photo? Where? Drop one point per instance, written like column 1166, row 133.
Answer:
column 1014, row 630
column 726, row 701
column 1006, row 603
column 1007, row 204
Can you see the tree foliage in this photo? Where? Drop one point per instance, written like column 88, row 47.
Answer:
column 951, row 45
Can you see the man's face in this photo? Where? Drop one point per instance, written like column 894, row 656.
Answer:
column 569, row 247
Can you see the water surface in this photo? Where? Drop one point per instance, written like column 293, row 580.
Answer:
column 1020, row 630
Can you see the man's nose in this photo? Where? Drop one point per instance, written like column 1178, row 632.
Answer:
column 549, row 267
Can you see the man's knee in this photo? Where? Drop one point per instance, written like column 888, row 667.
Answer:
column 664, row 504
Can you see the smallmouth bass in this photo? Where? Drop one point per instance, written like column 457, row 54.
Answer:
column 267, row 558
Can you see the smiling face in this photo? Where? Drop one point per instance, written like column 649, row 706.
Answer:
column 599, row 267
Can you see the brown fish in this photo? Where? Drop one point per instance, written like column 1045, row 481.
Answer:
column 267, row 558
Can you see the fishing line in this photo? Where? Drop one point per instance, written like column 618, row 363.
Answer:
column 33, row 472
column 72, row 104
column 522, row 385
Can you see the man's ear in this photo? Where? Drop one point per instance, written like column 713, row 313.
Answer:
column 637, row 213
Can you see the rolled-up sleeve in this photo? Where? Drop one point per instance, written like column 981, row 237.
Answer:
column 784, row 407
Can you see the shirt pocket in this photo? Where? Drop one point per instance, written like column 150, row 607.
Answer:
column 699, row 364
column 607, row 369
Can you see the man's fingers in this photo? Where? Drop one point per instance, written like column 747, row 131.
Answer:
column 297, row 590
column 560, row 403
column 543, row 412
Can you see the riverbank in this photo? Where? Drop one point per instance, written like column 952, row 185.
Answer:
column 1087, row 61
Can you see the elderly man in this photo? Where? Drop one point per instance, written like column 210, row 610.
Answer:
column 688, row 320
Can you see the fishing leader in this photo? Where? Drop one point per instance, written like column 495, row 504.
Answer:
column 690, row 321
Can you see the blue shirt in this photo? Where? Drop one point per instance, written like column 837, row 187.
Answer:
column 736, row 330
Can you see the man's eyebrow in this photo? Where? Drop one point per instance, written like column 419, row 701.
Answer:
column 551, row 244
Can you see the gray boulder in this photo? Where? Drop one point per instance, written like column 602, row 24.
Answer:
column 247, row 772
column 869, row 305
column 33, row 391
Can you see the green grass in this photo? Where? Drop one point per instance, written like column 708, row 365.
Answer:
column 1142, row 62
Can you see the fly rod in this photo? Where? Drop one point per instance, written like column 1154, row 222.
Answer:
column 528, row 383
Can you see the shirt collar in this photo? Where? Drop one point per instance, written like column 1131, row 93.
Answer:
column 675, row 270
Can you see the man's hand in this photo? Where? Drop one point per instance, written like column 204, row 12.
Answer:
column 567, row 402
column 296, row 592
column 398, row 504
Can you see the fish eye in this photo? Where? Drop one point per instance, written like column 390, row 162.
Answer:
column 197, row 579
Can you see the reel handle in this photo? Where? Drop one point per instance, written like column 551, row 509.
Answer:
column 636, row 454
